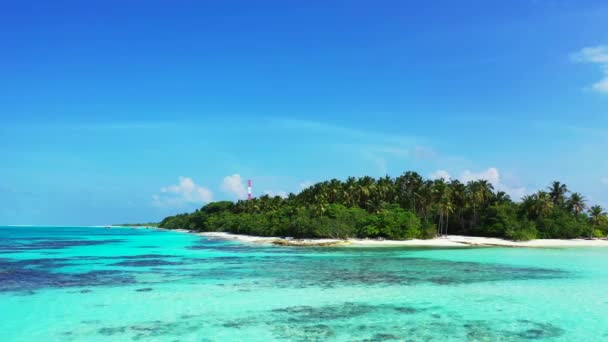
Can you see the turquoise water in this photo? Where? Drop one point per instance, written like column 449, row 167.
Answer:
column 75, row 284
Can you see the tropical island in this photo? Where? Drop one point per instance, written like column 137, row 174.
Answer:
column 402, row 208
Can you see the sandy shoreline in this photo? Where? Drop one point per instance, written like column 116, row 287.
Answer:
column 450, row 241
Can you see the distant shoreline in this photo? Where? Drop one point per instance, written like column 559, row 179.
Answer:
column 449, row 241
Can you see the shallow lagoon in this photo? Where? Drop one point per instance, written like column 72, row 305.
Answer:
column 81, row 283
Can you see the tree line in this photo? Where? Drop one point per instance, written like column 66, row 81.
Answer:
column 405, row 207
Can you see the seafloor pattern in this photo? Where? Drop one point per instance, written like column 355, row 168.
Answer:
column 59, row 283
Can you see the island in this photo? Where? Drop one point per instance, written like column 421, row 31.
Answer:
column 403, row 208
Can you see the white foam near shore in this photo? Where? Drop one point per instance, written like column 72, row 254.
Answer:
column 238, row 237
column 182, row 230
column 449, row 241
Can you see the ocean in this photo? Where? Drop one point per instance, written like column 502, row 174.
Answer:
column 119, row 284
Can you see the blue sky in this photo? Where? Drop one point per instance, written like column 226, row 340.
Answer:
column 127, row 111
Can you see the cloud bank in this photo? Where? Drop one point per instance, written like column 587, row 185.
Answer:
column 596, row 55
column 492, row 175
column 234, row 185
column 185, row 192
column 440, row 174
column 279, row 193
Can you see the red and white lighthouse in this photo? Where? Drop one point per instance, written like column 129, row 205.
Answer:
column 249, row 196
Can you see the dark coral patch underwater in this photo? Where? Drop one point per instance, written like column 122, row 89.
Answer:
column 24, row 279
column 15, row 246
column 307, row 323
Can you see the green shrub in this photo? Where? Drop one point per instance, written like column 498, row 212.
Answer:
column 398, row 224
column 522, row 234
column 428, row 230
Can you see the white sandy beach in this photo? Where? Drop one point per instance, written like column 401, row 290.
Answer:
column 449, row 241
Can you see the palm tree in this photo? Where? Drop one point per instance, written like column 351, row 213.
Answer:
column 365, row 187
column 408, row 188
column 479, row 192
column 320, row 203
column 597, row 215
column 442, row 197
column 424, row 199
column 375, row 204
column 536, row 205
column 459, row 200
column 264, row 203
column 445, row 208
column 502, row 197
column 486, row 189
column 385, row 189
column 438, row 191
column 350, row 192
column 577, row 203
column 334, row 188
column 543, row 203
column 527, row 206
column 558, row 192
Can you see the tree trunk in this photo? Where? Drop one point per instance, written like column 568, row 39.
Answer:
column 447, row 223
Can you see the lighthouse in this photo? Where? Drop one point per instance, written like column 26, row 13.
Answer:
column 249, row 197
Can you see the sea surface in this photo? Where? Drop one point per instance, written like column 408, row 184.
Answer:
column 120, row 284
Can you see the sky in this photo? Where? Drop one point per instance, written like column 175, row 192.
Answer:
column 129, row 111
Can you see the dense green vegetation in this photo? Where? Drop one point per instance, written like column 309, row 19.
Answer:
column 405, row 207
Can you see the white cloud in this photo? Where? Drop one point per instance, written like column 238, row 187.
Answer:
column 440, row 174
column 604, row 180
column 596, row 55
column 602, row 85
column 592, row 54
column 279, row 193
column 492, row 175
column 305, row 185
column 516, row 193
column 234, row 185
column 185, row 192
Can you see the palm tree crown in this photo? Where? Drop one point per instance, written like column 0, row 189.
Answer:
column 557, row 192
column 577, row 203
